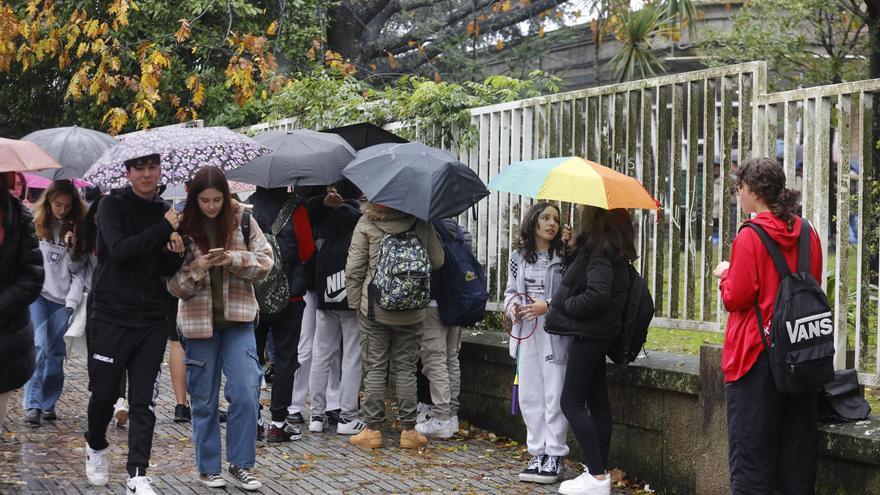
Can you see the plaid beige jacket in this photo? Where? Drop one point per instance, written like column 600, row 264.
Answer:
column 192, row 285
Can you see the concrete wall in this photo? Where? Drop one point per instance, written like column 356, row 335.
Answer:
column 670, row 426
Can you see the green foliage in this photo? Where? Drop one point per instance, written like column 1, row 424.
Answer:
column 326, row 98
column 636, row 33
column 805, row 42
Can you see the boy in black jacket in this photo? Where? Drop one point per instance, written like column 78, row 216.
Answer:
column 127, row 327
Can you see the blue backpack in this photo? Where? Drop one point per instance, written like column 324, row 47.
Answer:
column 459, row 286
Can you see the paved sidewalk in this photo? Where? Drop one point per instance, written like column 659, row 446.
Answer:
column 50, row 459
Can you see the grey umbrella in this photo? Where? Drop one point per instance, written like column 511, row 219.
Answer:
column 300, row 157
column 415, row 178
column 75, row 149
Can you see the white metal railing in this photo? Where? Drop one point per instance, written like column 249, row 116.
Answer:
column 666, row 131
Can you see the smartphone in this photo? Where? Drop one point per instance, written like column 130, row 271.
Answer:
column 215, row 251
column 178, row 207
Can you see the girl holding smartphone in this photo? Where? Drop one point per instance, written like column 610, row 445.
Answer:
column 216, row 317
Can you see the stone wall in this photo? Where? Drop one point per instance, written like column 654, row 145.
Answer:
column 670, row 426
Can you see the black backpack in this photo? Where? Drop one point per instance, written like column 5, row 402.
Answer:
column 637, row 316
column 460, row 284
column 801, row 335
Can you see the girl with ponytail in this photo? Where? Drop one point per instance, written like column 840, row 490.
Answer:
column 772, row 437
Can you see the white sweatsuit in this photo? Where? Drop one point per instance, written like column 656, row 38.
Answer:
column 541, row 360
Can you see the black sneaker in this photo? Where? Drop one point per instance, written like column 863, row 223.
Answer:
column 296, row 419
column 333, row 416
column 32, row 417
column 530, row 473
column 270, row 375
column 244, row 476
column 49, row 415
column 181, row 414
column 551, row 470
column 284, row 434
column 223, row 415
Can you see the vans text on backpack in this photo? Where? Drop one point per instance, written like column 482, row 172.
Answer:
column 801, row 332
column 403, row 275
column 637, row 315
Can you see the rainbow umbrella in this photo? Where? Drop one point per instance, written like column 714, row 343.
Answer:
column 575, row 180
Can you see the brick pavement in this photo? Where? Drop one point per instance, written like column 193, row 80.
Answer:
column 50, row 459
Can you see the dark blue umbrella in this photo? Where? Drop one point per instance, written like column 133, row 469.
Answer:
column 75, row 149
column 417, row 179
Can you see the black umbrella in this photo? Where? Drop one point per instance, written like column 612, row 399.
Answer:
column 364, row 135
column 75, row 149
column 417, row 179
column 300, row 157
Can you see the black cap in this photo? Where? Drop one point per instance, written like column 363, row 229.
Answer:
column 142, row 160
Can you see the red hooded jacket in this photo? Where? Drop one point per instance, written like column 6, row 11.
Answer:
column 752, row 275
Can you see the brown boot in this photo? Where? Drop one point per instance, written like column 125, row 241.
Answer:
column 411, row 439
column 367, row 439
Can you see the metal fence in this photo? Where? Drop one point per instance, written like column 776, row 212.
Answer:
column 681, row 135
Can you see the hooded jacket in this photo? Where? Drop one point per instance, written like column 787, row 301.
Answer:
column 753, row 276
column 363, row 258
column 333, row 229
column 128, row 287
column 21, row 279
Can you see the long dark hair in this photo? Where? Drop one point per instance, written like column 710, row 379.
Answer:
column 607, row 231
column 192, row 223
column 526, row 244
column 766, row 178
column 88, row 234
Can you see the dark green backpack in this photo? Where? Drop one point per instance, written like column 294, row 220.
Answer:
column 273, row 291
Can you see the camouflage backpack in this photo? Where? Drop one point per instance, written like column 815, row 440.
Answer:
column 272, row 292
column 403, row 274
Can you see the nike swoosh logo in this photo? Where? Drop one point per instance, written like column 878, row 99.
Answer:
column 332, row 296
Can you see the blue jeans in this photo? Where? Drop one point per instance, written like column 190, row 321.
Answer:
column 50, row 324
column 234, row 351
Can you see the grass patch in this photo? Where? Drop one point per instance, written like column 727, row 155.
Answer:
column 680, row 341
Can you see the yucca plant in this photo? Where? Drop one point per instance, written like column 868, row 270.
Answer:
column 636, row 31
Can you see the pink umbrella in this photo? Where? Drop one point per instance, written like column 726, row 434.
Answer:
column 20, row 156
column 40, row 182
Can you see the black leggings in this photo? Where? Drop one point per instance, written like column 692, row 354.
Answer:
column 585, row 382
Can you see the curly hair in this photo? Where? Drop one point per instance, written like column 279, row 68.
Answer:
column 766, row 179
column 526, row 244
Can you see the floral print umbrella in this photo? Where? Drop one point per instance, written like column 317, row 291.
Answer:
column 182, row 152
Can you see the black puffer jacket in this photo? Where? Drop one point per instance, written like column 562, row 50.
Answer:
column 590, row 300
column 21, row 279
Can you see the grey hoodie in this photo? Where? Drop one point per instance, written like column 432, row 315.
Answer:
column 65, row 278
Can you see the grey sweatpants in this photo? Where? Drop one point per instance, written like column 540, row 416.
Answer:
column 440, row 346
column 335, row 328
column 398, row 346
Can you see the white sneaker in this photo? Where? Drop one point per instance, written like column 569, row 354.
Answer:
column 97, row 466
column 349, row 426
column 423, row 412
column 140, row 485
column 454, row 421
column 437, row 428
column 120, row 412
column 316, row 424
column 586, row 484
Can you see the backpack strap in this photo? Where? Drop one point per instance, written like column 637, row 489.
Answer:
column 804, row 257
column 284, row 214
column 772, row 249
column 246, row 227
